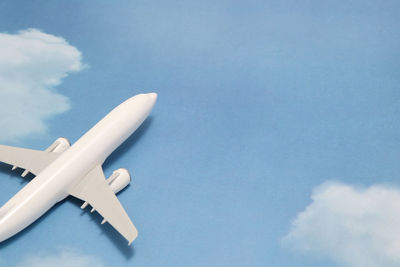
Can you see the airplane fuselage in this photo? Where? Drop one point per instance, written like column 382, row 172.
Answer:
column 92, row 149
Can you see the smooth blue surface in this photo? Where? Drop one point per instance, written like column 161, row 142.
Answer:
column 259, row 102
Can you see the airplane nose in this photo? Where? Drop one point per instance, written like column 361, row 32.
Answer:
column 153, row 96
column 152, row 99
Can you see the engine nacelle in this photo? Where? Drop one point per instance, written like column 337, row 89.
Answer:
column 119, row 180
column 59, row 146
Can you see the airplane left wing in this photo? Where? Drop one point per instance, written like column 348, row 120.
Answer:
column 31, row 160
column 95, row 190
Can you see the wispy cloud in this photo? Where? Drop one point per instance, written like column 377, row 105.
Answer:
column 358, row 227
column 65, row 258
column 32, row 63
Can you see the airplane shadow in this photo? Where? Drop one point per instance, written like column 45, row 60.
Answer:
column 127, row 251
column 106, row 229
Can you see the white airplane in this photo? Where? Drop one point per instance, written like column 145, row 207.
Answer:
column 63, row 170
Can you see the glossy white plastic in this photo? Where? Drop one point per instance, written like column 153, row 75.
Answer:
column 62, row 168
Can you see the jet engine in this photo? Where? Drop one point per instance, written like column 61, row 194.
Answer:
column 59, row 146
column 119, row 180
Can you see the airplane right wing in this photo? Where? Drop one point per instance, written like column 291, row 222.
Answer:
column 95, row 190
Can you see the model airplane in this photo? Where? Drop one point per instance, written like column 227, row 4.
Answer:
column 63, row 170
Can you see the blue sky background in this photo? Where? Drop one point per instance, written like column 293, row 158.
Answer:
column 259, row 102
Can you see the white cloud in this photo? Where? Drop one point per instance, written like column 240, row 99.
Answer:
column 64, row 258
column 32, row 63
column 353, row 226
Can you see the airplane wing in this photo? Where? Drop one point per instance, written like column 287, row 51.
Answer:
column 31, row 160
column 94, row 189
